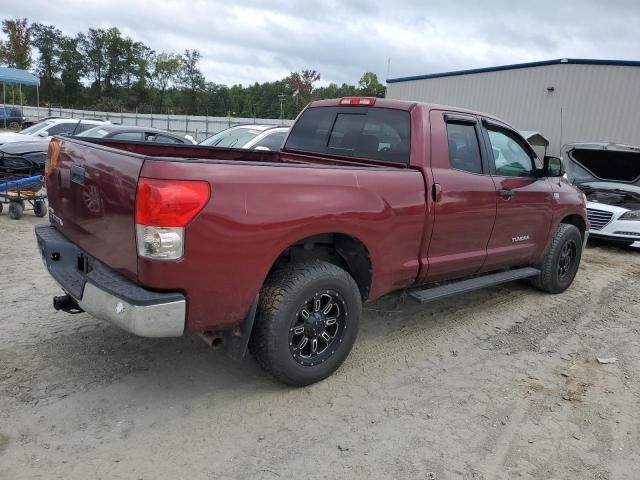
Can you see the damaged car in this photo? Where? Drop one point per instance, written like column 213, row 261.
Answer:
column 609, row 175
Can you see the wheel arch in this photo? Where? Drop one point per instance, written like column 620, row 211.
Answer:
column 341, row 249
column 577, row 221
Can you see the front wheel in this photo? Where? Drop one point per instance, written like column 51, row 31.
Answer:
column 560, row 265
column 307, row 322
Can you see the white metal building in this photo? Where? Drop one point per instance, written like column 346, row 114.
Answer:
column 568, row 100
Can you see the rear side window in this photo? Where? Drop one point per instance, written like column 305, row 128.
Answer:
column 133, row 136
column 273, row 141
column 464, row 150
column 363, row 132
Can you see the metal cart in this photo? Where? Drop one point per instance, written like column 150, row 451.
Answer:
column 20, row 188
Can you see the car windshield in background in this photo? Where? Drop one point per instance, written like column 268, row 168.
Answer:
column 35, row 128
column 232, row 138
column 363, row 132
column 95, row 132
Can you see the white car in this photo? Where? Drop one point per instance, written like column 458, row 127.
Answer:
column 609, row 175
column 45, row 130
column 249, row 137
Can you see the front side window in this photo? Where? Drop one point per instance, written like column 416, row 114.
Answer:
column 61, row 128
column 509, row 156
column 363, row 132
column 464, row 150
column 36, row 128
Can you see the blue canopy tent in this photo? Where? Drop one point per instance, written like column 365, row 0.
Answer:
column 15, row 76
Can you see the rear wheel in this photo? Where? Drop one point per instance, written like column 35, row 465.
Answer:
column 16, row 209
column 308, row 320
column 560, row 265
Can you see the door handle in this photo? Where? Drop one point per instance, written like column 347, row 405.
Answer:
column 505, row 193
column 436, row 192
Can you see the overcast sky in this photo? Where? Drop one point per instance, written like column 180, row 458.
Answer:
column 243, row 41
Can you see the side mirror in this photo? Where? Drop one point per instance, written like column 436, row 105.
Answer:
column 43, row 133
column 553, row 167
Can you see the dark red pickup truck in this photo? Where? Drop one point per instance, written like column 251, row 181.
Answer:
column 277, row 250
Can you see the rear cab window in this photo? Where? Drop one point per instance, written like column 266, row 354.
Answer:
column 360, row 132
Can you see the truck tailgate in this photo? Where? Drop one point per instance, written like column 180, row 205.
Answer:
column 91, row 191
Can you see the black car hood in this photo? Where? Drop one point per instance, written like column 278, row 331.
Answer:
column 20, row 148
column 602, row 162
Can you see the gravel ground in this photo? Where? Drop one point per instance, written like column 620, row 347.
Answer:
column 498, row 384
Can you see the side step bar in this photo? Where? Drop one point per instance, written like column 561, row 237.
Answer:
column 464, row 286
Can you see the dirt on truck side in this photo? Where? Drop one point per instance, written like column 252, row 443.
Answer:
column 498, row 384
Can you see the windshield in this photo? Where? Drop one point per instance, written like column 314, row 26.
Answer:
column 35, row 128
column 95, row 132
column 233, row 137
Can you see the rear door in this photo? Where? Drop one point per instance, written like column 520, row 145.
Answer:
column 464, row 197
column 524, row 210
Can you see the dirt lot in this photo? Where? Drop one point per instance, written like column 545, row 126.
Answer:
column 499, row 384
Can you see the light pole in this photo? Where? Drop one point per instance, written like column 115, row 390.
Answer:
column 281, row 97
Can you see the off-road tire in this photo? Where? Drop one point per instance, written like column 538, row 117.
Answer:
column 283, row 295
column 550, row 279
column 16, row 209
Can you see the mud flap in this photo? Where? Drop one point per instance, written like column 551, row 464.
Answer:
column 235, row 341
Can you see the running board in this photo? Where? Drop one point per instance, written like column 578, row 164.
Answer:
column 464, row 286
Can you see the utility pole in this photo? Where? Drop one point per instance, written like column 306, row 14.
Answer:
column 281, row 97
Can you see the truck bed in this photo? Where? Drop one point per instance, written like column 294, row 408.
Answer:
column 261, row 204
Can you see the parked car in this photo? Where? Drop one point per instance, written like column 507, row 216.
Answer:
column 249, row 137
column 609, row 175
column 278, row 250
column 45, row 130
column 33, row 152
column 136, row 134
column 11, row 117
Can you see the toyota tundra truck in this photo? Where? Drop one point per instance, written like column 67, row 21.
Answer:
column 275, row 252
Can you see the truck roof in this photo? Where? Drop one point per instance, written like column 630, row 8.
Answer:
column 406, row 105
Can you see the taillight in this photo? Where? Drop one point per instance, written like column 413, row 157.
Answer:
column 53, row 155
column 362, row 101
column 163, row 209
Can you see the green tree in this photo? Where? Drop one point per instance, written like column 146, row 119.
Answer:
column 47, row 39
column 165, row 70
column 370, row 86
column 73, row 68
column 190, row 77
column 16, row 50
column 92, row 45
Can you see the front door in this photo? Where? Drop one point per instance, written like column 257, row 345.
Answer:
column 524, row 212
column 464, row 197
